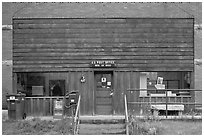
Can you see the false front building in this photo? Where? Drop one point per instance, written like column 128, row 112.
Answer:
column 104, row 59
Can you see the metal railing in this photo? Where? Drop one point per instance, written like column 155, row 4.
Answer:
column 76, row 117
column 126, row 115
column 165, row 97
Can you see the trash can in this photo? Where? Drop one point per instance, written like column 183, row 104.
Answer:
column 16, row 106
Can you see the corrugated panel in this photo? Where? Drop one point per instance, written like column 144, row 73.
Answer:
column 70, row 44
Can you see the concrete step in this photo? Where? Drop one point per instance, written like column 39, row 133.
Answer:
column 100, row 129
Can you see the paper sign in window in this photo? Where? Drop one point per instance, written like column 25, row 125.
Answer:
column 109, row 83
column 103, row 79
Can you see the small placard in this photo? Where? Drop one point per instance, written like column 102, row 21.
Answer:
column 109, row 83
column 160, row 86
column 103, row 79
column 12, row 98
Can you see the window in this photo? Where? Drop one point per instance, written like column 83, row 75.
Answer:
column 57, row 87
column 170, row 80
column 31, row 84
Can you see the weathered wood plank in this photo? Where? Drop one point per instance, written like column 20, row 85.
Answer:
column 87, row 65
column 103, row 35
column 104, row 109
column 105, row 45
column 39, row 106
column 117, row 92
column 32, row 106
column 88, row 69
column 102, row 40
column 107, row 30
column 105, row 57
column 103, row 101
column 91, row 91
column 50, row 105
column 44, row 106
column 68, row 50
column 101, row 25
column 107, row 53
column 68, row 20
column 88, row 93
column 35, row 107
column 160, row 20
column 102, row 93
column 28, row 106
column 38, row 62
column 102, row 20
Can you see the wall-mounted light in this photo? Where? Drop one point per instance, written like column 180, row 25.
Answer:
column 82, row 79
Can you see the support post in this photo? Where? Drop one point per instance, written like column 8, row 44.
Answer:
column 166, row 104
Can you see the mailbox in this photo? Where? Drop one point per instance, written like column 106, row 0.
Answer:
column 16, row 106
column 73, row 97
column 71, row 100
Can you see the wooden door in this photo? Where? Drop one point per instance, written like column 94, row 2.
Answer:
column 103, row 90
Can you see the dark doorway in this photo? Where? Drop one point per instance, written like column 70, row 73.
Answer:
column 103, row 92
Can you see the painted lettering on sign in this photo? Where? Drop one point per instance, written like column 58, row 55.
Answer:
column 103, row 64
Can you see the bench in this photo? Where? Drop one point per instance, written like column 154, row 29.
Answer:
column 157, row 108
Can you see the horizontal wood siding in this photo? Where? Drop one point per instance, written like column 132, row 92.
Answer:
column 124, row 80
column 143, row 44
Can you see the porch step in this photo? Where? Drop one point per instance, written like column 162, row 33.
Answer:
column 100, row 129
column 102, row 121
column 99, row 125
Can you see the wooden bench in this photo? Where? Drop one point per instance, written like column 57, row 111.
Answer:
column 156, row 108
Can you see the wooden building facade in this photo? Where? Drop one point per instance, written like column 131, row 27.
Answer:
column 101, row 58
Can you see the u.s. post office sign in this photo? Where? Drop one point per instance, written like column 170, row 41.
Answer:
column 103, row 64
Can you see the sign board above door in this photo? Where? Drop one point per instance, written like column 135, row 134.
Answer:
column 103, row 64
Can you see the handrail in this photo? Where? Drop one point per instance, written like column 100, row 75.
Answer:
column 136, row 89
column 126, row 116
column 76, row 117
column 46, row 97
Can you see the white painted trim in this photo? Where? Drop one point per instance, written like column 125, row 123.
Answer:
column 198, row 61
column 7, row 27
column 7, row 62
column 197, row 26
